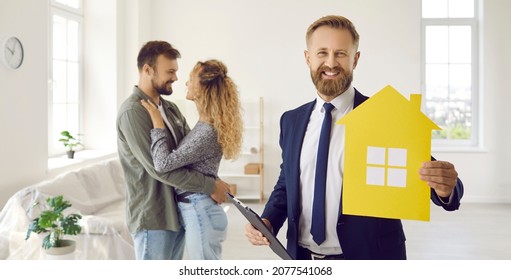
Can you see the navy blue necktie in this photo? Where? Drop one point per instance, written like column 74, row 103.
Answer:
column 318, row 206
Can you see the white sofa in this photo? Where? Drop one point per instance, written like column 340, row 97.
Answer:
column 97, row 192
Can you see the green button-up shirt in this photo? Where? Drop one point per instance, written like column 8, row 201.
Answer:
column 150, row 200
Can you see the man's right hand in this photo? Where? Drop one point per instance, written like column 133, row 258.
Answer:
column 256, row 237
column 221, row 188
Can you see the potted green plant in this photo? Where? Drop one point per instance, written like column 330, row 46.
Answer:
column 56, row 225
column 70, row 142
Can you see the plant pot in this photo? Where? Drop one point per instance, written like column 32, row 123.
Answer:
column 65, row 252
column 70, row 154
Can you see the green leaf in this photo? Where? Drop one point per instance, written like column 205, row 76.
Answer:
column 66, row 134
column 70, row 224
column 34, row 227
column 47, row 242
column 48, row 218
column 58, row 203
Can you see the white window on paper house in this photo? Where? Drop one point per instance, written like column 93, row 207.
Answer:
column 386, row 167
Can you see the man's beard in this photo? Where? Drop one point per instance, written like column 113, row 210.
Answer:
column 331, row 87
column 162, row 90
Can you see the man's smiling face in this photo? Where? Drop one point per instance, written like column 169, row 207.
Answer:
column 331, row 56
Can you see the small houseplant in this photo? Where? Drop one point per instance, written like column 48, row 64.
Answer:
column 70, row 142
column 55, row 224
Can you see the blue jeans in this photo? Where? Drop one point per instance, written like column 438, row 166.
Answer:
column 159, row 244
column 205, row 225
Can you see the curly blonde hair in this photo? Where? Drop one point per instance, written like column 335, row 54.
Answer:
column 219, row 101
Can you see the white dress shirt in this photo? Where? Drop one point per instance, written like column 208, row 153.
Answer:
column 343, row 105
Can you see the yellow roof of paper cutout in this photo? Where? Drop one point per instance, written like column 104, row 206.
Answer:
column 390, row 106
column 386, row 121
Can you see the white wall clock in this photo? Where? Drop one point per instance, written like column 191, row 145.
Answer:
column 12, row 53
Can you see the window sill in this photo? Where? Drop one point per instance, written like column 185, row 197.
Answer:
column 459, row 150
column 81, row 158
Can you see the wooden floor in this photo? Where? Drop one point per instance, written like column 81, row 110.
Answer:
column 475, row 232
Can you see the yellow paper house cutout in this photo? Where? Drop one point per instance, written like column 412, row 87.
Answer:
column 388, row 139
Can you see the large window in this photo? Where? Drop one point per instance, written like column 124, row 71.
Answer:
column 450, row 70
column 65, row 81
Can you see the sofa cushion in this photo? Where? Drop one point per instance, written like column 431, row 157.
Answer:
column 70, row 186
column 103, row 185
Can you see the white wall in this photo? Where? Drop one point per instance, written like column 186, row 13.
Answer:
column 262, row 43
column 23, row 106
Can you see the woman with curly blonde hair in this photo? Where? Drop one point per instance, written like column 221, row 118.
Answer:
column 217, row 133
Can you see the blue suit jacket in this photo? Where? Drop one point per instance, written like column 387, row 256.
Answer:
column 360, row 237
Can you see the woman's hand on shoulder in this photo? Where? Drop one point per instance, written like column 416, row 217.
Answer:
column 156, row 117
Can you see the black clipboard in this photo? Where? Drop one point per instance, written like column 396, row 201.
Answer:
column 258, row 223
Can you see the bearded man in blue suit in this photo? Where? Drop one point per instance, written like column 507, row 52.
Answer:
column 332, row 55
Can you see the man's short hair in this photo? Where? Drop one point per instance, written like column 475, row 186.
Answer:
column 337, row 22
column 149, row 53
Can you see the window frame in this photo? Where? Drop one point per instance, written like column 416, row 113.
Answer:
column 475, row 137
column 75, row 15
column 77, row 11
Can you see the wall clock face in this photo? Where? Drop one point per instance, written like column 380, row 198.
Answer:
column 12, row 52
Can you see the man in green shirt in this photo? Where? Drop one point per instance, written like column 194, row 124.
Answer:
column 152, row 215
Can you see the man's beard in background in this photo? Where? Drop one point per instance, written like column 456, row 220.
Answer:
column 162, row 90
